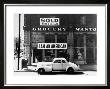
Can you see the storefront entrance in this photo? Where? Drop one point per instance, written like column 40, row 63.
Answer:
column 37, row 55
column 55, row 38
column 63, row 53
column 49, row 54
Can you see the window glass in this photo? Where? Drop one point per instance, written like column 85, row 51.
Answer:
column 78, row 40
column 85, row 47
column 57, row 61
column 78, row 54
column 49, row 54
column 49, row 39
column 62, row 53
column 90, row 55
column 63, row 61
column 91, row 40
column 62, row 38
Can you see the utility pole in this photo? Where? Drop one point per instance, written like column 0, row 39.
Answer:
column 19, row 42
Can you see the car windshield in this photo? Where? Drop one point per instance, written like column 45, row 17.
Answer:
column 57, row 61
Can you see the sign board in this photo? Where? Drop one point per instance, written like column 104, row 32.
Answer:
column 52, row 46
column 49, row 22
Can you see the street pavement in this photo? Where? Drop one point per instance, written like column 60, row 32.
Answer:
column 90, row 67
column 33, row 73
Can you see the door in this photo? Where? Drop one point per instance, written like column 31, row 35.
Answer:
column 49, row 55
column 37, row 55
column 57, row 65
column 64, row 64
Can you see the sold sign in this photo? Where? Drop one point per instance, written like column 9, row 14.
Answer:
column 49, row 21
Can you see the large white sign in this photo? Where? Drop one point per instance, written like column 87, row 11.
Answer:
column 52, row 46
column 49, row 21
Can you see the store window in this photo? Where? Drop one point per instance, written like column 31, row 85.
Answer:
column 37, row 55
column 52, row 53
column 49, row 38
column 85, row 47
column 79, row 54
column 49, row 54
column 78, row 47
column 91, row 48
column 78, row 40
column 89, row 55
column 91, row 40
column 61, row 38
column 62, row 52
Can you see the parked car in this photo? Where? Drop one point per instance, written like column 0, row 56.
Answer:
column 58, row 64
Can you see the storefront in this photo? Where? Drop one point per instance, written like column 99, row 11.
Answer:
column 73, row 37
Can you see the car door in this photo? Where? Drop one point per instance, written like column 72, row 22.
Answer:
column 57, row 65
column 64, row 64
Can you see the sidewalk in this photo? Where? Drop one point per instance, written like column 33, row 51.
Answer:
column 88, row 67
column 23, row 70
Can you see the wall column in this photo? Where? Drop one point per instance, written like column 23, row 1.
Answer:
column 70, row 46
column 85, row 49
column 43, row 50
column 32, row 57
column 55, row 42
column 29, row 60
column 43, row 54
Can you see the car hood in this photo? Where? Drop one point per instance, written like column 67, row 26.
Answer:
column 73, row 64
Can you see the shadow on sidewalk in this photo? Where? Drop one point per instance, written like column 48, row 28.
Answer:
column 63, row 73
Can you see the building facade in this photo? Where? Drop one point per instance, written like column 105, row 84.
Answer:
column 73, row 36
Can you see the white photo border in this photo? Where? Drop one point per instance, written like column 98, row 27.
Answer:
column 10, row 81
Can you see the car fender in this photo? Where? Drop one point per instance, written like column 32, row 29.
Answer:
column 74, row 66
column 69, row 67
column 39, row 67
column 47, row 67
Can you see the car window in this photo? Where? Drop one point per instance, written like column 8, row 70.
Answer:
column 57, row 61
column 63, row 61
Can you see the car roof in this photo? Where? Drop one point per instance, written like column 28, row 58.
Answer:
column 59, row 58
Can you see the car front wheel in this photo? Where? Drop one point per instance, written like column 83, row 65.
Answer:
column 41, row 71
column 70, row 70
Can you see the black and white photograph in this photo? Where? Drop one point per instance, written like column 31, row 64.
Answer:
column 56, row 45
column 56, row 42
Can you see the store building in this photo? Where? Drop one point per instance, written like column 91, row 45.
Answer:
column 73, row 36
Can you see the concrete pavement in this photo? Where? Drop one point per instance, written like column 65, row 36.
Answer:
column 88, row 67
